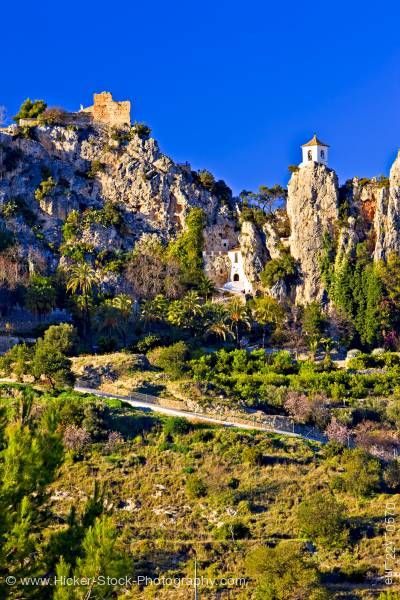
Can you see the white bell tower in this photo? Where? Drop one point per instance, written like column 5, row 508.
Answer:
column 314, row 151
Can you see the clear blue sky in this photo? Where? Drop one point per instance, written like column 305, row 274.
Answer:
column 234, row 87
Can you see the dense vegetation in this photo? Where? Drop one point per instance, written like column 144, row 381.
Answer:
column 90, row 487
column 99, row 489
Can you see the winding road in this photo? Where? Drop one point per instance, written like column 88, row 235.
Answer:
column 148, row 402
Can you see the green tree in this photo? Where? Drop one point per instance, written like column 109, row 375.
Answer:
column 321, row 518
column 362, row 473
column 238, row 315
column 51, row 364
column 277, row 269
column 155, row 310
column 188, row 248
column 40, row 295
column 206, row 179
column 172, row 359
column 206, row 288
column 30, row 109
column 216, row 321
column 60, row 337
column 268, row 313
column 82, row 278
column 101, row 557
column 283, row 573
column 20, row 542
column 267, row 197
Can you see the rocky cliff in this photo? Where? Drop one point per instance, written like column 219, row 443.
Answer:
column 46, row 172
column 387, row 216
column 82, row 167
column 312, row 208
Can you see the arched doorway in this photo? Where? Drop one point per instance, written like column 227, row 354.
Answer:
column 236, row 277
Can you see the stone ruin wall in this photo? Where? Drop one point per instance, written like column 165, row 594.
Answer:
column 106, row 110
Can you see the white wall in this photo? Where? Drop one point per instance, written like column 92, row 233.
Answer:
column 237, row 268
column 315, row 154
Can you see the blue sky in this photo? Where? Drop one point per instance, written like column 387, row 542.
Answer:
column 234, row 87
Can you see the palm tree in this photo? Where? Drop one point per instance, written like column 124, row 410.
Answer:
column 206, row 288
column 216, row 320
column 177, row 314
column 82, row 279
column 220, row 328
column 124, row 305
column 191, row 303
column 107, row 318
column 154, row 310
column 329, row 344
column 267, row 311
column 313, row 346
column 238, row 314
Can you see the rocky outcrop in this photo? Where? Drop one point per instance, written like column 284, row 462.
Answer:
column 272, row 240
column 312, row 208
column 347, row 240
column 253, row 251
column 89, row 167
column 387, row 216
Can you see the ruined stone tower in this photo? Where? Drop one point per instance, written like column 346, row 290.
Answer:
column 108, row 111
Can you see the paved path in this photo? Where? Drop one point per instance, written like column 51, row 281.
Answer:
column 147, row 402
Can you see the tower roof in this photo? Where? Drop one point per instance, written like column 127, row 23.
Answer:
column 315, row 142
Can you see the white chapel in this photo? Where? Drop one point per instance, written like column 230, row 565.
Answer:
column 314, row 151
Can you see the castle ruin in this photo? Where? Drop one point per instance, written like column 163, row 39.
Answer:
column 108, row 111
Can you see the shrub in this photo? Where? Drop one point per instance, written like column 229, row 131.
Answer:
column 6, row 238
column 171, row 359
column 361, row 361
column 206, row 179
column 321, row 518
column 9, row 209
column 76, row 439
column 45, row 188
column 176, row 426
column 96, row 415
column 148, row 343
column 52, row 116
column 252, row 456
column 195, row 487
column 236, row 530
column 282, row 362
column 391, row 475
column 284, row 573
column 362, row 474
column 96, row 167
column 278, row 268
column 30, row 109
column 142, row 130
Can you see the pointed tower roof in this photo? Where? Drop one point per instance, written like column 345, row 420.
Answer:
column 315, row 142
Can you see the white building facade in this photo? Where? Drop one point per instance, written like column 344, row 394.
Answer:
column 315, row 151
column 238, row 281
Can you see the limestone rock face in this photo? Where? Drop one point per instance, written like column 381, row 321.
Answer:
column 312, row 208
column 387, row 216
column 272, row 240
column 347, row 240
column 94, row 165
column 219, row 238
column 253, row 250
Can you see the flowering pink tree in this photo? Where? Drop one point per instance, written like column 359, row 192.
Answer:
column 76, row 439
column 338, row 432
column 298, row 406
